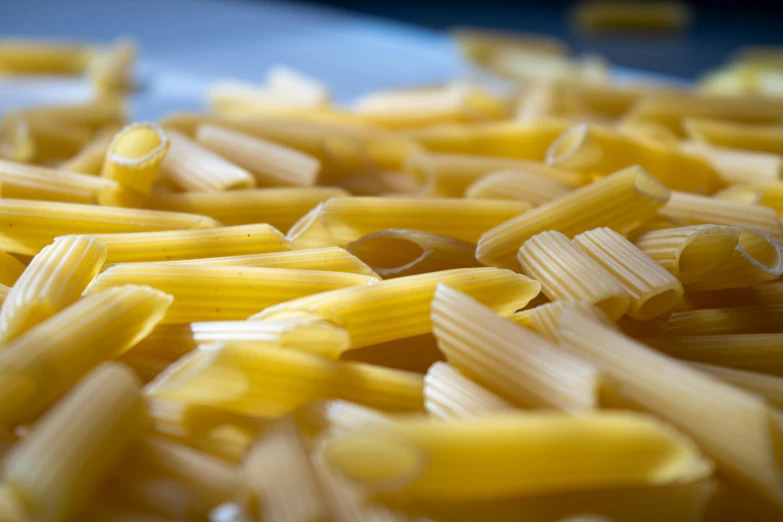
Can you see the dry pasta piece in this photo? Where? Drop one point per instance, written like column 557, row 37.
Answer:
column 518, row 185
column 54, row 279
column 271, row 163
column 521, row 367
column 758, row 295
column 768, row 386
column 214, row 293
column 546, row 319
column 309, row 232
column 28, row 226
column 657, row 222
column 31, row 57
column 766, row 194
column 193, row 244
column 22, row 181
column 745, row 136
column 12, row 507
column 741, row 319
column 606, row 16
column 280, row 207
column 89, row 160
column 649, row 131
column 653, row 290
column 404, row 303
column 133, row 160
column 257, row 381
column 621, row 202
column 197, row 169
column 348, row 219
column 111, row 70
column 412, row 354
column 689, row 253
column 567, row 273
column 31, row 139
column 58, row 467
column 514, row 454
column 449, row 395
column 10, row 269
column 321, row 418
column 397, row 253
column 93, row 115
column 737, row 429
column 739, row 166
column 451, row 174
column 694, row 210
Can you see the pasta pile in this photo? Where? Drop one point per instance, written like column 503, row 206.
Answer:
column 557, row 301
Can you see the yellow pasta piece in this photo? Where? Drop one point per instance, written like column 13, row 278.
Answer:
column 601, row 150
column 89, row 160
column 348, row 219
column 404, row 303
column 28, row 226
column 654, row 132
column 689, row 253
column 451, row 174
column 653, row 290
column 271, row 163
column 93, row 329
column 280, row 207
column 58, row 467
column 248, row 379
column 739, row 166
column 759, row 138
column 450, row 395
column 12, row 507
column 309, row 232
column 656, row 223
column 737, row 429
column 214, row 293
column 111, row 70
column 567, row 273
column 767, row 194
column 93, row 115
column 132, row 160
column 515, row 454
column 193, row 244
column 741, row 319
column 694, row 210
column 620, row 201
column 10, row 269
column 163, row 498
column 768, row 386
column 22, row 181
column 758, row 295
column 479, row 44
column 546, row 319
column 53, row 280
column 412, row 354
column 42, row 57
column 335, row 416
column 602, row 16
column 518, row 185
column 197, row 169
column 397, row 253
column 32, row 139
column 521, row 367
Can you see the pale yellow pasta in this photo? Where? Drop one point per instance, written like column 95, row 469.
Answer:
column 397, row 253
column 54, row 279
column 567, row 273
column 753, row 137
column 348, row 219
column 271, row 163
column 90, row 331
column 448, row 395
column 509, row 360
column 768, row 386
column 71, row 449
column 767, row 194
column 297, row 85
column 32, row 57
column 653, row 290
column 280, row 207
column 757, row 295
column 689, row 253
column 737, row 429
column 739, row 166
column 404, row 303
column 30, row 139
column 546, row 319
column 197, row 169
column 22, row 181
column 606, row 16
column 132, row 160
column 4, row 293
column 309, row 232
column 257, row 381
column 111, row 70
column 280, row 476
column 739, row 319
column 695, row 210
column 518, row 185
column 10, row 269
column 514, row 454
column 12, row 508
column 214, row 293
column 649, row 131
column 193, row 244
column 451, row 174
column 93, row 115
column 318, row 419
column 657, row 222
column 412, row 354
column 89, row 160
column 621, row 202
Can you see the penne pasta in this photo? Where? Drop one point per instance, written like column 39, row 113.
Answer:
column 741, row 319
column 132, row 160
column 324, row 418
column 280, row 207
column 514, row 454
column 449, row 395
column 192, row 244
column 694, row 210
column 309, row 232
column 546, row 319
column 111, row 69
column 621, row 202
column 607, row 16
column 348, row 219
column 411, row 354
column 739, row 166
column 33, row 57
column 28, row 226
column 757, row 295
column 518, row 365
column 517, row 185
column 771, row 388
column 712, row 413
column 272, row 164
column 689, row 253
column 653, row 290
column 197, row 169
column 404, row 303
column 22, row 181
column 94, row 115
column 397, row 253
column 744, row 136
column 53, row 280
column 768, row 195
column 215, row 293
column 567, row 273
column 10, row 269
column 89, row 159
column 30, row 139
column 261, row 382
